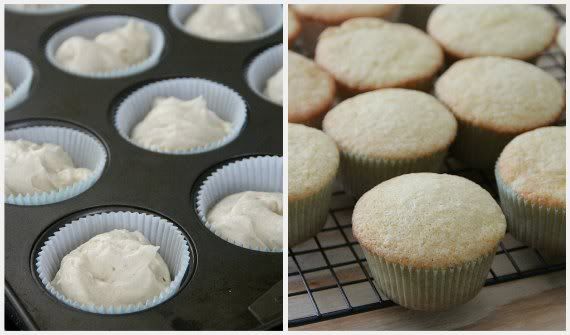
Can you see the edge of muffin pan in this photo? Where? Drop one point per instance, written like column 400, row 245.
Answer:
column 101, row 127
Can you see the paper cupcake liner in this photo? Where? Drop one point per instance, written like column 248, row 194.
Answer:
column 312, row 29
column 61, row 8
column 222, row 100
column 174, row 249
column 85, row 150
column 19, row 73
column 91, row 27
column 263, row 67
column 540, row 227
column 308, row 216
column 429, row 289
column 477, row 147
column 272, row 16
column 360, row 174
column 262, row 174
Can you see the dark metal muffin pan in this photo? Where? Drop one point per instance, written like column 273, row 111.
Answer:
column 222, row 287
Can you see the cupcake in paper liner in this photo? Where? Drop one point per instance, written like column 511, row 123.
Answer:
column 265, row 74
column 495, row 99
column 531, row 178
column 181, row 116
column 227, row 22
column 242, row 203
column 106, row 47
column 19, row 73
column 41, row 9
column 313, row 163
column 314, row 18
column 391, row 132
column 49, row 164
column 139, row 261
column 429, row 239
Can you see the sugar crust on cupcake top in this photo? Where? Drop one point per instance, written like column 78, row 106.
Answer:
column 501, row 94
column 313, row 160
column 336, row 13
column 294, row 26
column 364, row 54
column 311, row 90
column 533, row 164
column 391, row 124
column 517, row 31
column 428, row 220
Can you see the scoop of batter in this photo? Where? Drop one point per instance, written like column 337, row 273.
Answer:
column 225, row 22
column 116, row 268
column 274, row 87
column 174, row 124
column 113, row 50
column 254, row 219
column 35, row 168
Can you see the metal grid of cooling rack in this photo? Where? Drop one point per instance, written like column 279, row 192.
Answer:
column 329, row 277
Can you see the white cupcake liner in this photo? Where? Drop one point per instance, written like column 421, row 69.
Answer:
column 272, row 16
column 538, row 226
column 174, row 249
column 263, row 67
column 91, row 27
column 62, row 8
column 19, row 73
column 85, row 150
column 220, row 99
column 262, row 174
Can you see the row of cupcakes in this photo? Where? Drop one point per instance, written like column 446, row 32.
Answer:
column 263, row 74
column 140, row 259
column 214, row 22
column 419, row 230
column 462, row 31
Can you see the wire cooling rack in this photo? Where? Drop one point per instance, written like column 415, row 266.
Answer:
column 329, row 276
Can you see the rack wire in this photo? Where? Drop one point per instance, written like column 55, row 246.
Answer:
column 329, row 277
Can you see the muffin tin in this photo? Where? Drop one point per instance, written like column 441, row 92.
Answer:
column 224, row 283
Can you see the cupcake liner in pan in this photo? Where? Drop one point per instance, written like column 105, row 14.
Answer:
column 174, row 249
column 308, row 216
column 93, row 26
column 541, row 227
column 272, row 16
column 85, row 150
column 262, row 174
column 222, row 100
column 41, row 10
column 440, row 288
column 263, row 67
column 19, row 72
column 218, row 293
column 360, row 174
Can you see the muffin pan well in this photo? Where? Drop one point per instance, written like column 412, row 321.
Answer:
column 224, row 283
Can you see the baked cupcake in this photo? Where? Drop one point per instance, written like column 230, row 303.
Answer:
column 429, row 239
column 313, row 163
column 514, row 31
column 311, row 91
column 494, row 99
column 317, row 17
column 386, row 133
column 367, row 54
column 294, row 26
column 531, row 177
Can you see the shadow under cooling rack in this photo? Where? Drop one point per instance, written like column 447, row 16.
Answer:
column 329, row 276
